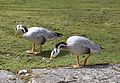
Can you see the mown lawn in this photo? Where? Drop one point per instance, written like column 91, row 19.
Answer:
column 98, row 20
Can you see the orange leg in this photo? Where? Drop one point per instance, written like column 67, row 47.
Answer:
column 33, row 48
column 86, row 59
column 35, row 51
column 78, row 64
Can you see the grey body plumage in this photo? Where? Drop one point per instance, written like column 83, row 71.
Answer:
column 37, row 35
column 76, row 45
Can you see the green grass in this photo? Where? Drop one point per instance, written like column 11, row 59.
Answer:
column 98, row 20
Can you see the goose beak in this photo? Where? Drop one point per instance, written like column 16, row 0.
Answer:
column 50, row 58
column 16, row 34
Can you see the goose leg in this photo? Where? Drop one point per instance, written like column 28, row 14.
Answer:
column 38, row 51
column 86, row 59
column 33, row 49
column 78, row 64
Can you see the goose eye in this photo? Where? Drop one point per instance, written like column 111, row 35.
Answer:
column 53, row 52
column 18, row 26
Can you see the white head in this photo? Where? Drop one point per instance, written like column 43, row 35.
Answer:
column 56, row 50
column 21, row 29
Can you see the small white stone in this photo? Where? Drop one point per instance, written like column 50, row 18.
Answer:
column 48, row 61
column 8, row 54
column 43, row 58
column 22, row 72
column 27, row 74
column 87, row 77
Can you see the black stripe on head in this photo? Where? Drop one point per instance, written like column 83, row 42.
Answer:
column 58, row 44
column 26, row 30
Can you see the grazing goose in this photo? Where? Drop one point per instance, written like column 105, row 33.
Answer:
column 76, row 45
column 37, row 35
